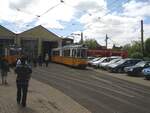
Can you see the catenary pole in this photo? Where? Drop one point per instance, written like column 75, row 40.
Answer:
column 142, row 39
column 106, row 40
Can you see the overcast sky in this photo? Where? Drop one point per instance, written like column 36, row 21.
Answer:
column 119, row 19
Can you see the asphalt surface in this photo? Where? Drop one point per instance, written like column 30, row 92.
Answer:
column 97, row 92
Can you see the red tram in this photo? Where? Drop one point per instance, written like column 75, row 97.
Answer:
column 107, row 53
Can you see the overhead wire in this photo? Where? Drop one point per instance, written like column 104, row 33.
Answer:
column 82, row 11
column 49, row 10
column 110, row 10
column 113, row 2
column 37, row 15
column 78, row 10
column 90, row 14
column 115, row 43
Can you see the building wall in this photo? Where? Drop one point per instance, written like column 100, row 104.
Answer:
column 4, row 43
column 30, row 47
column 31, row 41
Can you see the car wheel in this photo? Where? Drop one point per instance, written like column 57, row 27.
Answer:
column 147, row 78
column 95, row 67
column 119, row 70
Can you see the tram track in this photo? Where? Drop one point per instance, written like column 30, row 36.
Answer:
column 95, row 92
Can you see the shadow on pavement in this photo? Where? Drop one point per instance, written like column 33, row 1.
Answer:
column 25, row 110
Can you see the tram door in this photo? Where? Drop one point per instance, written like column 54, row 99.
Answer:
column 47, row 46
column 1, row 50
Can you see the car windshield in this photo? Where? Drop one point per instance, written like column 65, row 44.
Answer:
column 114, row 60
column 121, row 61
column 102, row 59
column 141, row 64
column 95, row 59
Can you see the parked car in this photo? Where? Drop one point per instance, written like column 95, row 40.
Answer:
column 146, row 73
column 137, row 69
column 115, row 57
column 93, row 60
column 90, row 58
column 119, row 66
column 104, row 65
column 96, row 63
column 108, row 60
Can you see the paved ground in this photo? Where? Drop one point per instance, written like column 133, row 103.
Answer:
column 97, row 91
column 138, row 80
column 41, row 99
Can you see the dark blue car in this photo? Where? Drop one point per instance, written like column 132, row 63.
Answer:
column 119, row 66
column 137, row 69
column 146, row 73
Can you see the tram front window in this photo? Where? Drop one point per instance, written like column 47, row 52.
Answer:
column 83, row 53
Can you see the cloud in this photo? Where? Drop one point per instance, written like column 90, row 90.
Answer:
column 91, row 5
column 45, row 12
column 146, row 31
column 134, row 9
column 19, row 4
column 95, row 16
column 122, row 27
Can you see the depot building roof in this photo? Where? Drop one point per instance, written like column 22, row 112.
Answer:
column 39, row 32
column 6, row 33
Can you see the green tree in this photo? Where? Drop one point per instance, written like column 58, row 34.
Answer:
column 133, row 48
column 137, row 55
column 126, row 47
column 91, row 43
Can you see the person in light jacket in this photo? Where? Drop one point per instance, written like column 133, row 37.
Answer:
column 46, row 59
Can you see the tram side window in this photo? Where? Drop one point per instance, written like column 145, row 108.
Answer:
column 73, row 53
column 56, row 53
column 78, row 53
column 12, row 52
column 67, row 53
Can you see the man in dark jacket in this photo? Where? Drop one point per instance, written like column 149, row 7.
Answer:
column 23, row 76
column 4, row 70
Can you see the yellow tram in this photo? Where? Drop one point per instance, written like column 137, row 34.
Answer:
column 10, row 53
column 72, row 55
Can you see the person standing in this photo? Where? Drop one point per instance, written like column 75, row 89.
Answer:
column 46, row 59
column 40, row 60
column 18, row 62
column 4, row 70
column 34, row 61
column 23, row 72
